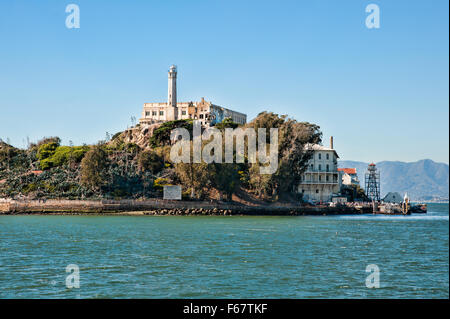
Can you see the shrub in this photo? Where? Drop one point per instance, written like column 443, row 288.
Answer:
column 160, row 182
column 45, row 140
column 63, row 155
column 29, row 188
column 7, row 151
column 47, row 150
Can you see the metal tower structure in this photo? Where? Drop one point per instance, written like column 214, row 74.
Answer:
column 373, row 183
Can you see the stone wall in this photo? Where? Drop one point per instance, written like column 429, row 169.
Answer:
column 161, row 207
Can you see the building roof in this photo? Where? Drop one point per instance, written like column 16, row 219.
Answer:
column 350, row 171
column 393, row 195
column 317, row 147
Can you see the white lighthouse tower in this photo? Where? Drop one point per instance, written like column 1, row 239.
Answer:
column 172, row 109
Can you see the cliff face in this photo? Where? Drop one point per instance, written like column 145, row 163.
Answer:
column 139, row 135
column 4, row 206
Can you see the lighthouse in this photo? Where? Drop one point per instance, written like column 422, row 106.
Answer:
column 172, row 108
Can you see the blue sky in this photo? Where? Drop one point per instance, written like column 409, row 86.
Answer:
column 382, row 93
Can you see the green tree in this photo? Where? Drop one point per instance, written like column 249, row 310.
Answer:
column 293, row 153
column 161, row 135
column 225, row 178
column 194, row 176
column 93, row 167
column 259, row 183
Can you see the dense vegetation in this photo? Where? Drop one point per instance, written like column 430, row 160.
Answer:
column 117, row 169
column 50, row 170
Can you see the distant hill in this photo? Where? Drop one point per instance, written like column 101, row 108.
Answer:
column 423, row 180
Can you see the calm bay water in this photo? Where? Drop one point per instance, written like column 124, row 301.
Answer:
column 225, row 257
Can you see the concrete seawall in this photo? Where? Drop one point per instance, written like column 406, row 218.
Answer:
column 160, row 207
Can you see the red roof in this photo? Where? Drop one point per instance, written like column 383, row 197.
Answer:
column 349, row 171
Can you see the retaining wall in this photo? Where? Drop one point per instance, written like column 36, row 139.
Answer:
column 161, row 207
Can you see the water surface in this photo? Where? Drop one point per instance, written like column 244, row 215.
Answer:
column 225, row 257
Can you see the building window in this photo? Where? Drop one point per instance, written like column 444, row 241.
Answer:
column 154, row 113
column 328, row 167
column 320, row 167
column 320, row 156
column 328, row 156
column 317, row 191
column 327, row 178
column 303, row 191
column 161, row 112
column 147, row 113
column 320, row 178
column 201, row 116
column 312, row 166
column 183, row 112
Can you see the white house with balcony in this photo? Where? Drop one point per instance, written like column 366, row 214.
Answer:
column 321, row 181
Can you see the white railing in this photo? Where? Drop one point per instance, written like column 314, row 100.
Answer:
column 318, row 182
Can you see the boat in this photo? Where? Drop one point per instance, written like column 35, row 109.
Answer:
column 418, row 209
column 404, row 208
column 392, row 209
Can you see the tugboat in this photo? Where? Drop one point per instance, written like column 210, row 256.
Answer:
column 419, row 209
column 404, row 208
column 416, row 209
column 391, row 209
